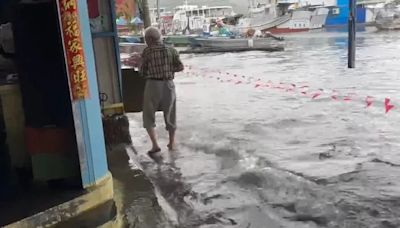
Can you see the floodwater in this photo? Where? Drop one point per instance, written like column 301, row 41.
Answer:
column 265, row 158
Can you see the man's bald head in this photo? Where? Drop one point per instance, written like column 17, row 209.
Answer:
column 152, row 36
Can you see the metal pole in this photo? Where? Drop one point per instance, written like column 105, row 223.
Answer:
column 352, row 34
column 146, row 13
column 158, row 14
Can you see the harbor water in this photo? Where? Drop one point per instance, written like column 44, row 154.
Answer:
column 267, row 158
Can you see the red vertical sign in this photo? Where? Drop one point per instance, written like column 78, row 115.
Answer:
column 74, row 53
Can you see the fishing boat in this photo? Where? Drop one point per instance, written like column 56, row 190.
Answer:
column 192, row 18
column 209, row 12
column 260, row 17
column 285, row 17
column 299, row 20
column 388, row 18
column 237, row 44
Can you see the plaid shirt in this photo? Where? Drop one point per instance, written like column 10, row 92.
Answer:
column 160, row 63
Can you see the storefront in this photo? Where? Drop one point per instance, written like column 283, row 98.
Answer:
column 58, row 57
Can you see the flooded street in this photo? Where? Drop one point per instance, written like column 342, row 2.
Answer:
column 259, row 157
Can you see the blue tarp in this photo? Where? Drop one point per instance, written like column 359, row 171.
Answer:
column 136, row 21
column 121, row 21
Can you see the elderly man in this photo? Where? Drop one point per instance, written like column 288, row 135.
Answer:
column 159, row 64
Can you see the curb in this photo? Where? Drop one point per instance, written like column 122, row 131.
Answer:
column 94, row 198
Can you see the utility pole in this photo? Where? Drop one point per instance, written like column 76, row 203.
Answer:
column 352, row 34
column 146, row 14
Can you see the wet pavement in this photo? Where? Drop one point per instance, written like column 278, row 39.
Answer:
column 259, row 157
column 135, row 196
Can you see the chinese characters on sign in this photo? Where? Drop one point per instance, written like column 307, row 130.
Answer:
column 73, row 49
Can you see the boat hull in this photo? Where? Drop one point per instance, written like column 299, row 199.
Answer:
column 318, row 18
column 287, row 30
column 299, row 22
column 177, row 41
column 261, row 25
column 223, row 50
column 226, row 43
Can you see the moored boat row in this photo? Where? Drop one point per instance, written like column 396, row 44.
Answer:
column 219, row 28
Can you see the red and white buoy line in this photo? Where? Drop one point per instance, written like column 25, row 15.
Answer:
column 302, row 90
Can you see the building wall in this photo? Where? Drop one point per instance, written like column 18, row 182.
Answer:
column 87, row 113
column 106, row 54
column 107, row 70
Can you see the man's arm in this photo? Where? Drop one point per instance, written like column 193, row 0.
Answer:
column 178, row 65
column 143, row 69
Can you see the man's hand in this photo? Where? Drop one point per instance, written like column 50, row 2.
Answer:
column 134, row 60
column 179, row 68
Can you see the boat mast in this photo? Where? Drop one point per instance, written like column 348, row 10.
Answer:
column 186, row 8
column 251, row 8
column 158, row 14
column 185, row 3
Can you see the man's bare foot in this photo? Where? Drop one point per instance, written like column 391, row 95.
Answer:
column 154, row 150
column 171, row 146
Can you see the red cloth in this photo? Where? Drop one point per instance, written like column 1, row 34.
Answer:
column 50, row 140
column 93, row 8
